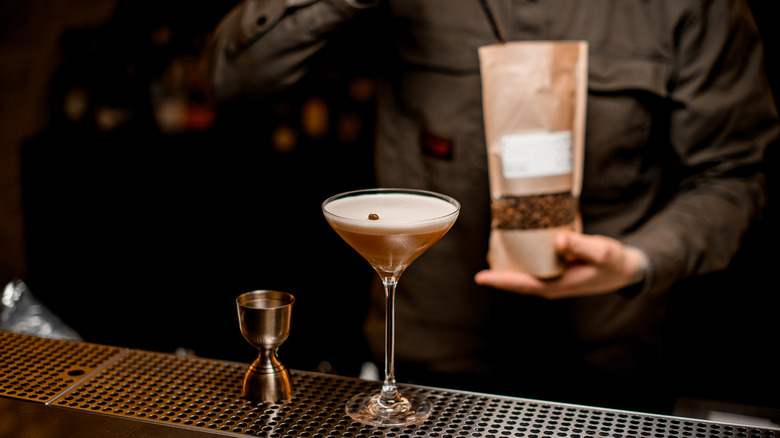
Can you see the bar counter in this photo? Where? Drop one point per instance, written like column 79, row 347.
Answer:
column 58, row 388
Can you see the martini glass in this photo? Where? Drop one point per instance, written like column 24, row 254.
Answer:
column 390, row 228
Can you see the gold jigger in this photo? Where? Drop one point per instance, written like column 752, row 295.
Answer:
column 264, row 318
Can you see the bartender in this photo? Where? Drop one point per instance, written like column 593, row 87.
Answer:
column 679, row 114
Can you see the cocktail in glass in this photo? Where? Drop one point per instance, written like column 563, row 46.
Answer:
column 390, row 228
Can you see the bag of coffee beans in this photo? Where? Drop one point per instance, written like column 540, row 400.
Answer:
column 534, row 98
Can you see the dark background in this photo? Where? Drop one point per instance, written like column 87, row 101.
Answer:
column 140, row 231
column 143, row 226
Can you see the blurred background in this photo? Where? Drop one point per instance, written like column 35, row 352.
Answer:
column 137, row 212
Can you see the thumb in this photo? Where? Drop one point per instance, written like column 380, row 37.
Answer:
column 561, row 242
column 563, row 245
column 577, row 246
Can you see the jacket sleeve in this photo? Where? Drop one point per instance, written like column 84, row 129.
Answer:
column 262, row 46
column 722, row 121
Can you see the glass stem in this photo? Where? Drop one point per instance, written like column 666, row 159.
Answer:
column 390, row 396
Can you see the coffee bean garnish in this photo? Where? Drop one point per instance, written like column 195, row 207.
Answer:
column 373, row 217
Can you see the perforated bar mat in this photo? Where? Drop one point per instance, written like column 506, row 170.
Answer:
column 40, row 369
column 205, row 395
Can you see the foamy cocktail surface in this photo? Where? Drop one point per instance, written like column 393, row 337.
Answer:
column 395, row 213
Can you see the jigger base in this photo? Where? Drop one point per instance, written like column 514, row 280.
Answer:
column 366, row 409
column 267, row 387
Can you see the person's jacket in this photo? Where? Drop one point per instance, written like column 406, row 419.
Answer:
column 679, row 114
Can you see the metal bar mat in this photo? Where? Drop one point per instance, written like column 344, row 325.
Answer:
column 205, row 395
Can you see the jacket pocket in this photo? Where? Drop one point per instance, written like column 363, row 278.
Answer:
column 627, row 123
column 611, row 73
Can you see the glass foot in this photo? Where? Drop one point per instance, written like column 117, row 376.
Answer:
column 366, row 409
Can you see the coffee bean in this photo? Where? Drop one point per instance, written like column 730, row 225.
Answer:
column 530, row 212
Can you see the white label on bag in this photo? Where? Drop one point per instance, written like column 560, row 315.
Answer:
column 535, row 155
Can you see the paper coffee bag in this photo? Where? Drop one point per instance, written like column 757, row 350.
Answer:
column 534, row 101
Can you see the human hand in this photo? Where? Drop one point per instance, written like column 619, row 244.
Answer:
column 594, row 265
